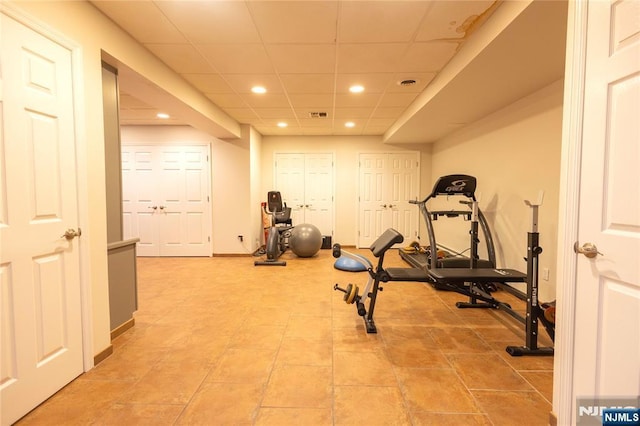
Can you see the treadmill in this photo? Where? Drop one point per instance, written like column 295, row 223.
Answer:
column 453, row 185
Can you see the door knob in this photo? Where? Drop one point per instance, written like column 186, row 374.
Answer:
column 384, row 206
column 153, row 207
column 588, row 249
column 71, row 233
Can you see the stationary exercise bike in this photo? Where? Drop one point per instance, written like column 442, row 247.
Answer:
column 279, row 230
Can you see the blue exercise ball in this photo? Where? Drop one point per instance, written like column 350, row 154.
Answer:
column 305, row 240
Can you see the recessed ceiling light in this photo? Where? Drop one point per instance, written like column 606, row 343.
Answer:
column 282, row 124
column 349, row 124
column 356, row 89
column 258, row 89
column 162, row 115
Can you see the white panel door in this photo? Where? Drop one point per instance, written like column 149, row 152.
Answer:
column 404, row 172
column 40, row 292
column 373, row 217
column 387, row 182
column 318, row 190
column 290, row 181
column 139, row 204
column 184, row 201
column 166, row 199
column 305, row 181
column 607, row 348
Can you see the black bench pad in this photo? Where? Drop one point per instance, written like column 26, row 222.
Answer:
column 407, row 274
column 479, row 275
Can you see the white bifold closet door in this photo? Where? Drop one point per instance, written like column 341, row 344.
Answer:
column 166, row 199
column 305, row 181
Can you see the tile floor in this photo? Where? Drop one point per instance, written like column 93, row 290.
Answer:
column 218, row 341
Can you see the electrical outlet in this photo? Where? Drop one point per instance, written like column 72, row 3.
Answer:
column 545, row 274
column 240, row 238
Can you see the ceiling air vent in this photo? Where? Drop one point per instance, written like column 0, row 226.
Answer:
column 313, row 114
column 407, row 82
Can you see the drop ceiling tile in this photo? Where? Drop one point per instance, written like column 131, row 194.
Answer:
column 211, row 21
column 303, row 58
column 237, row 58
column 182, row 58
column 242, row 83
column 380, row 21
column 154, row 28
column 369, row 58
column 308, row 100
column 275, row 113
column 380, row 122
column 450, row 19
column 372, row 82
column 308, row 83
column 317, row 131
column 208, row 83
column 266, row 100
column 357, row 100
column 339, row 123
column 349, row 113
column 227, row 100
column 428, row 56
column 299, row 21
column 397, row 99
column 316, row 122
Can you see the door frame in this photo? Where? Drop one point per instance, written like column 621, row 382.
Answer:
column 563, row 391
column 81, row 155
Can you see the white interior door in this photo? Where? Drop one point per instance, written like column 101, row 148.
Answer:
column 387, row 182
column 185, row 220
column 40, row 297
column 305, row 181
column 607, row 345
column 404, row 182
column 289, row 180
column 166, row 200
column 318, row 191
column 139, row 203
column 373, row 216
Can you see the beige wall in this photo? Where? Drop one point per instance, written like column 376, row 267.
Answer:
column 345, row 150
column 514, row 153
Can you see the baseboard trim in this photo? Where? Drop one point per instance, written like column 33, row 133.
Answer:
column 553, row 419
column 102, row 355
column 231, row 255
column 122, row 328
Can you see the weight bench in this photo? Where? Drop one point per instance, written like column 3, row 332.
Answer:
column 378, row 248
